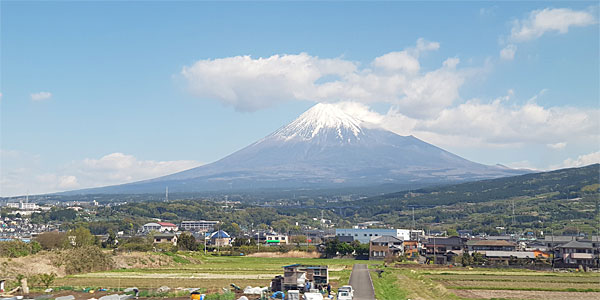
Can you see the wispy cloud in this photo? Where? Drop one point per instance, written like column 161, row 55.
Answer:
column 22, row 172
column 542, row 21
column 580, row 161
column 508, row 52
column 41, row 96
column 557, row 146
column 546, row 20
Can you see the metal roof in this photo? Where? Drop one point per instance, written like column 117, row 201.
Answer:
column 386, row 239
column 517, row 254
column 490, row 243
column 576, row 244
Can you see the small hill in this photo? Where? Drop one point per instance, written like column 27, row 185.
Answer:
column 562, row 183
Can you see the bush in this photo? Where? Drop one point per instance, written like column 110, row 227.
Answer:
column 18, row 248
column 136, row 244
column 86, row 259
column 47, row 279
column 52, row 240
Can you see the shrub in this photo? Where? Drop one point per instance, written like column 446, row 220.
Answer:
column 18, row 248
column 86, row 259
column 52, row 240
column 47, row 279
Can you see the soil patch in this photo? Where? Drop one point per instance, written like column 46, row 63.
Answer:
column 541, row 295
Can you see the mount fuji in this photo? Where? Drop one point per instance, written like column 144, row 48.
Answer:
column 323, row 148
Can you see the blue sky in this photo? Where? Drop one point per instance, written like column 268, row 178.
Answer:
column 96, row 93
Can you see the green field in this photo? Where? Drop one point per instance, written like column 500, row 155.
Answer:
column 408, row 281
column 212, row 273
column 418, row 282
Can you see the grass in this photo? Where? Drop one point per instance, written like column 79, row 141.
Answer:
column 211, row 272
column 387, row 286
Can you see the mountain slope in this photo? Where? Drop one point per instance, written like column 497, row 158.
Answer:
column 325, row 147
column 559, row 183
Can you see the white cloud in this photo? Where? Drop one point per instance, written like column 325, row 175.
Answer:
column 250, row 84
column 550, row 20
column 557, row 146
column 508, row 52
column 23, row 173
column 398, row 61
column 580, row 161
column 41, row 96
column 497, row 124
column 117, row 168
column 68, row 182
column 524, row 164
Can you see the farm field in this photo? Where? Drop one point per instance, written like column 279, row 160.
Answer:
column 212, row 273
column 406, row 281
column 442, row 283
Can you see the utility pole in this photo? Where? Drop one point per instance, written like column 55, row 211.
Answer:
column 413, row 216
column 434, row 251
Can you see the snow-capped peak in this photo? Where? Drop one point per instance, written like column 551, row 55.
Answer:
column 322, row 117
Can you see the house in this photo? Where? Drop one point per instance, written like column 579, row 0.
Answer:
column 277, row 239
column 411, row 249
column 491, row 245
column 165, row 226
column 574, row 254
column 295, row 276
column 385, row 246
column 165, row 238
column 553, row 241
column 438, row 245
column 365, row 235
column 159, row 226
column 220, row 238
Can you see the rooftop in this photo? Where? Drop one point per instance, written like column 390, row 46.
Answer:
column 576, row 244
column 490, row 243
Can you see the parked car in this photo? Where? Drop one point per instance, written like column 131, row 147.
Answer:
column 344, row 295
column 347, row 288
column 313, row 296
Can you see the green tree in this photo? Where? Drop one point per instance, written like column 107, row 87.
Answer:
column 80, row 237
column 51, row 240
column 361, row 249
column 466, row 259
column 281, row 226
column 187, row 241
column 47, row 279
column 298, row 239
column 111, row 240
column 452, row 232
column 232, row 228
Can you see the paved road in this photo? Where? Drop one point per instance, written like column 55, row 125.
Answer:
column 360, row 280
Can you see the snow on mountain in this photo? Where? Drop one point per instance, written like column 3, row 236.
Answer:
column 321, row 118
column 325, row 147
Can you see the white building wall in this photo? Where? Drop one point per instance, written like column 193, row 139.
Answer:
column 365, row 235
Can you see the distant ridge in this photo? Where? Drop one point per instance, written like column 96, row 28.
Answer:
column 325, row 147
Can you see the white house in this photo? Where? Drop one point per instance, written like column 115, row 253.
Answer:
column 160, row 227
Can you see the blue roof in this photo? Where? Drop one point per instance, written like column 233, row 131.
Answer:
column 220, row 235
